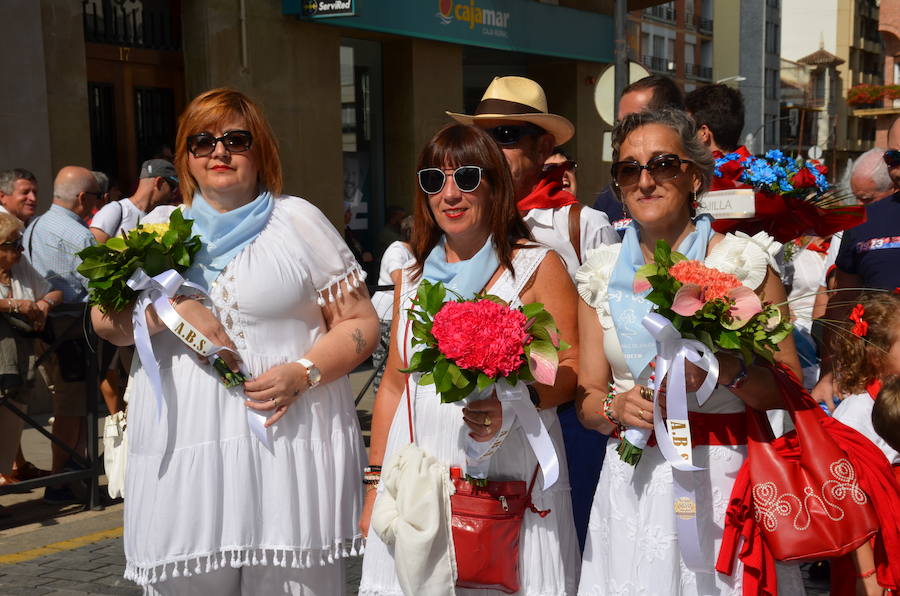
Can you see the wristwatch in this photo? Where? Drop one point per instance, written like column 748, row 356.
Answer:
column 313, row 374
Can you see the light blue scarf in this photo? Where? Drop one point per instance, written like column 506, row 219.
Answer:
column 629, row 309
column 224, row 234
column 466, row 278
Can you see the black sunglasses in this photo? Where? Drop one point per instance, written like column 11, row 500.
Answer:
column 892, row 158
column 14, row 244
column 661, row 168
column 466, row 178
column 235, row 141
column 512, row 134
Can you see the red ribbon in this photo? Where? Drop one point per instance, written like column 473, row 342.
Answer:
column 860, row 326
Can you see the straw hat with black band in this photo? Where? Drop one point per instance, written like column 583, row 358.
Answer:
column 508, row 100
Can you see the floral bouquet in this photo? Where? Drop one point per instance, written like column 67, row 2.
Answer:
column 793, row 198
column 470, row 344
column 153, row 248
column 709, row 306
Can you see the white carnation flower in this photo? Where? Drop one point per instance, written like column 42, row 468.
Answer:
column 745, row 257
column 592, row 278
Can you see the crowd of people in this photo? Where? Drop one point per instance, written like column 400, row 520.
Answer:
column 265, row 488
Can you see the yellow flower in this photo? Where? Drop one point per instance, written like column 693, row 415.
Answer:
column 157, row 230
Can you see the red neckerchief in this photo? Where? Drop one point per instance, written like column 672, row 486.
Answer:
column 548, row 193
column 820, row 247
column 873, row 387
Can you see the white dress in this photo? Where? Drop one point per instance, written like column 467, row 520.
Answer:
column 548, row 548
column 203, row 492
column 632, row 547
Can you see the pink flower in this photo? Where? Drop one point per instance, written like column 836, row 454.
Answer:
column 703, row 284
column 483, row 336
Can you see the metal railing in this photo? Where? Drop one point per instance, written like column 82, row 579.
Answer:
column 704, row 25
column 663, row 13
column 91, row 465
column 658, row 64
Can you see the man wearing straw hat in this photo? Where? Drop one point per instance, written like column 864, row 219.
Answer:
column 514, row 111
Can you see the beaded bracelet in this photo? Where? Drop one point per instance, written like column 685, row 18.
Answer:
column 372, row 475
column 608, row 411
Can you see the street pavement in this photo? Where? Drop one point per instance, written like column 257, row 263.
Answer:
column 71, row 551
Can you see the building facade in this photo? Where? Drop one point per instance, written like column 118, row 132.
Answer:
column 885, row 110
column 352, row 99
column 847, row 30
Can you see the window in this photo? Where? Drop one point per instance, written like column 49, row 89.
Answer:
column 773, row 36
column 772, row 83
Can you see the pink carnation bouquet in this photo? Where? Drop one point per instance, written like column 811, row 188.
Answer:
column 470, row 344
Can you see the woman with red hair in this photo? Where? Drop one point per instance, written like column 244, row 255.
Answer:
column 213, row 507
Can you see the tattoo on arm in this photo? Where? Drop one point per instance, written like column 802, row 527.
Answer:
column 359, row 339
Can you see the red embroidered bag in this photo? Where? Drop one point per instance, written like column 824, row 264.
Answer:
column 811, row 506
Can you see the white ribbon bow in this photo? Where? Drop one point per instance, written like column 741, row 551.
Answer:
column 672, row 351
column 515, row 403
column 156, row 291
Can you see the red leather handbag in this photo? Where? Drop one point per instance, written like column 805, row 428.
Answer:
column 809, row 506
column 485, row 522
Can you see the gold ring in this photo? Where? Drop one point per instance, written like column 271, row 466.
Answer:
column 276, row 401
column 641, row 414
column 646, row 393
column 487, row 420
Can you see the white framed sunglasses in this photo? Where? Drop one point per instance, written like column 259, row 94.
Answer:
column 466, row 178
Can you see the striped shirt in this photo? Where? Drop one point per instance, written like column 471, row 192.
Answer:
column 51, row 241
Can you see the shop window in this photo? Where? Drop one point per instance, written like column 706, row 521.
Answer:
column 363, row 156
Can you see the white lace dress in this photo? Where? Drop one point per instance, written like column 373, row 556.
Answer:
column 632, row 547
column 548, row 549
column 203, row 492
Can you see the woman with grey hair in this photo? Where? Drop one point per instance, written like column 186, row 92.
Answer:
column 633, row 546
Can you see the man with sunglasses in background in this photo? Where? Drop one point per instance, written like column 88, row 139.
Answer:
column 869, row 257
column 51, row 242
column 649, row 93
column 514, row 111
column 157, row 185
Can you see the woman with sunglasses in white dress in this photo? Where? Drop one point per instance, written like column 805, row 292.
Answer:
column 633, row 544
column 468, row 234
column 216, row 503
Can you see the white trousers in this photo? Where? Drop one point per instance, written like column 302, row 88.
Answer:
column 260, row 580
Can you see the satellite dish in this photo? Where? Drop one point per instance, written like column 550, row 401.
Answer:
column 605, row 92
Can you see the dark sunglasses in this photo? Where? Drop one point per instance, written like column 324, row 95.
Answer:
column 466, row 178
column 512, row 134
column 892, row 158
column 569, row 164
column 203, row 144
column 13, row 244
column 661, row 168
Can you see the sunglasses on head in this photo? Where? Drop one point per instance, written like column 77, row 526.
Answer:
column 466, row 178
column 661, row 168
column 13, row 244
column 892, row 158
column 509, row 134
column 235, row 141
column 569, row 164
